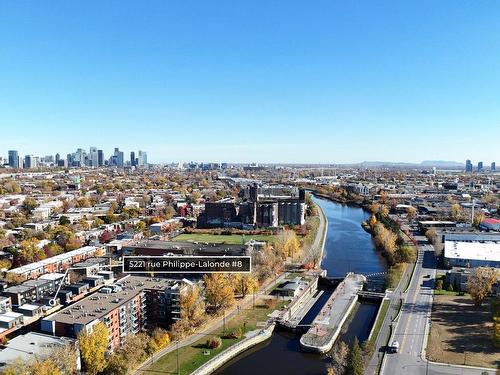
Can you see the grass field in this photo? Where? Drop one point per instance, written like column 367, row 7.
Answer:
column 461, row 333
column 231, row 239
column 191, row 357
column 380, row 319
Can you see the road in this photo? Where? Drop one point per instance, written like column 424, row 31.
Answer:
column 316, row 251
column 412, row 326
column 385, row 330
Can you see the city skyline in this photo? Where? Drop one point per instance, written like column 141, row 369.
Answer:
column 334, row 83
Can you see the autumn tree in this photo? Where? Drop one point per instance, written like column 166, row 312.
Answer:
column 288, row 243
column 219, row 292
column 431, row 235
column 245, row 284
column 480, row 283
column 29, row 205
column 30, row 252
column 192, row 305
column 374, row 208
column 456, row 212
column 159, row 339
column 93, row 346
column 411, row 212
column 478, row 218
column 268, row 262
column 384, row 211
column 169, row 212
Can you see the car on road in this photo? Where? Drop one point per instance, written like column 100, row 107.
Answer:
column 393, row 348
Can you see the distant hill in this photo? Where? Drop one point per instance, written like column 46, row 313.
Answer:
column 441, row 164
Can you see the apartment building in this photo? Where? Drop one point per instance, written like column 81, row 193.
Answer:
column 56, row 263
column 127, row 307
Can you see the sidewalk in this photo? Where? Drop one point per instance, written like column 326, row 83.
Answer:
column 385, row 329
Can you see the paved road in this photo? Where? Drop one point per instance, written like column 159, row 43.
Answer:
column 385, row 329
column 315, row 248
column 412, row 326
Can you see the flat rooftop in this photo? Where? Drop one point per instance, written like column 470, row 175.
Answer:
column 486, row 251
column 25, row 346
column 199, row 248
column 98, row 305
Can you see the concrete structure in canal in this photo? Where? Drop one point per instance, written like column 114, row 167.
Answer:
column 328, row 323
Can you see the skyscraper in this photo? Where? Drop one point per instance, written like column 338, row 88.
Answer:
column 119, row 158
column 13, row 159
column 58, row 157
column 132, row 158
column 493, row 166
column 30, row 161
column 480, row 166
column 93, row 157
column 468, row 166
column 100, row 158
column 142, row 159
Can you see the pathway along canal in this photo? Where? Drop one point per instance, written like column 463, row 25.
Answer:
column 348, row 248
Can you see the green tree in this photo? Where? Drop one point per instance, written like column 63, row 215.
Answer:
column 64, row 220
column 355, row 359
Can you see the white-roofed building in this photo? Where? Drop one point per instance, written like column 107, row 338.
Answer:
column 472, row 254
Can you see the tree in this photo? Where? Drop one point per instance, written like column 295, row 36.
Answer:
column 169, row 212
column 219, row 292
column 431, row 235
column 439, row 285
column 52, row 249
column 480, row 283
column 141, row 226
column 29, row 205
column 93, row 348
column 64, row 220
column 13, row 278
column 192, row 305
column 372, row 221
column 411, row 212
column 355, row 361
column 5, row 264
column 374, row 208
column 384, row 211
column 245, row 284
column 456, row 212
column 83, row 202
column 288, row 243
column 478, row 217
column 159, row 339
column 29, row 251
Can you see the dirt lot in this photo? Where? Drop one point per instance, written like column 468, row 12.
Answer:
column 460, row 333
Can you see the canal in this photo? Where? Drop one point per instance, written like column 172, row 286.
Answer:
column 348, row 248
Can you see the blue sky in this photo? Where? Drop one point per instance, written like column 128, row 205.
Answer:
column 242, row 81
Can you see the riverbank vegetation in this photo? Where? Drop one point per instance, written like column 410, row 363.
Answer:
column 391, row 241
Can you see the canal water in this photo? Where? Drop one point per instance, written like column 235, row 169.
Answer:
column 348, row 248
